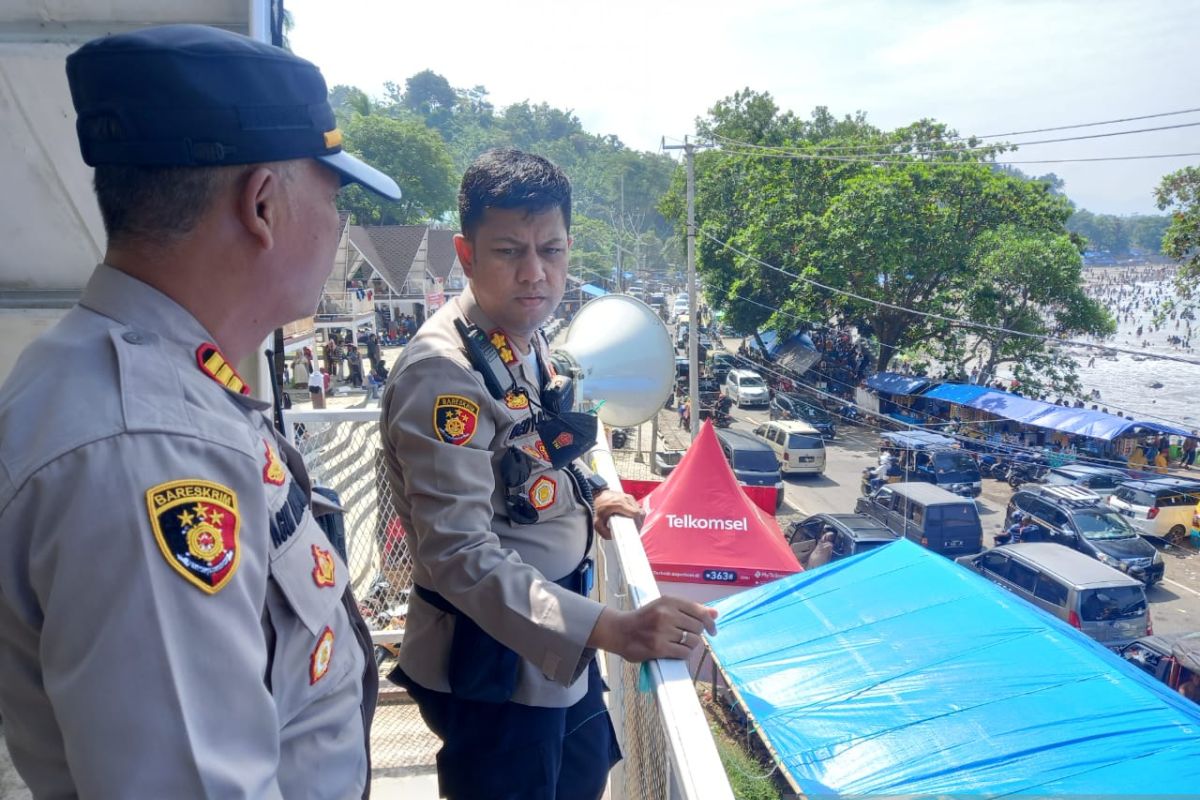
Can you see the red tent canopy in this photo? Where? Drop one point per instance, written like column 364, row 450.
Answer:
column 702, row 528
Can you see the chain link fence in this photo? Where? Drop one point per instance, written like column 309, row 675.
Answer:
column 663, row 760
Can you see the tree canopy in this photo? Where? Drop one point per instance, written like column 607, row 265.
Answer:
column 426, row 132
column 841, row 222
column 1179, row 193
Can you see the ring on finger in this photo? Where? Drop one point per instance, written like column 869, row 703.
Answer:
column 683, row 638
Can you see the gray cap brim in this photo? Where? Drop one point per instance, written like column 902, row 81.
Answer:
column 354, row 171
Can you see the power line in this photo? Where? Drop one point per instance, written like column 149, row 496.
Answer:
column 900, row 158
column 951, row 320
column 1106, row 404
column 973, row 137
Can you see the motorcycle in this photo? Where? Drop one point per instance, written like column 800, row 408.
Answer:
column 1026, row 469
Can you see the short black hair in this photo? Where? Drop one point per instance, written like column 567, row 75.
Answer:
column 509, row 178
column 156, row 205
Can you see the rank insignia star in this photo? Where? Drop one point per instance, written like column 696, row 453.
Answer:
column 500, row 342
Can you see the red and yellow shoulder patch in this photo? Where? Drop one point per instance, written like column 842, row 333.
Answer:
column 323, row 572
column 455, row 418
column 542, row 493
column 322, row 656
column 213, row 364
column 517, row 399
column 196, row 524
column 500, row 342
column 273, row 472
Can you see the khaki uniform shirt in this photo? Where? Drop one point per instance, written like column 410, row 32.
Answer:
column 443, row 438
column 173, row 622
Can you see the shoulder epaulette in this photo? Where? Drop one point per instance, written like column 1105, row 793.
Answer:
column 213, row 364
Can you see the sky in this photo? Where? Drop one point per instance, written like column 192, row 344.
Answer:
column 646, row 70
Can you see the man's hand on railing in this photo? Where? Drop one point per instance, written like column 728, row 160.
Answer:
column 668, row 627
column 610, row 502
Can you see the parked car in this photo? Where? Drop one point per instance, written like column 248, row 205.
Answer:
column 746, row 388
column 798, row 446
column 792, row 406
column 928, row 515
column 1078, row 518
column 753, row 463
column 853, row 534
column 719, row 365
column 1161, row 507
column 1103, row 603
column 1172, row 659
column 933, row 458
column 1101, row 480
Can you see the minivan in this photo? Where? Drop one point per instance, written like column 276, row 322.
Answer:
column 1098, row 600
column 746, row 388
column 1160, row 507
column 797, row 445
column 929, row 515
column 753, row 463
column 1077, row 518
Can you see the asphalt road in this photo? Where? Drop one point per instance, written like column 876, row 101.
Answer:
column 1174, row 603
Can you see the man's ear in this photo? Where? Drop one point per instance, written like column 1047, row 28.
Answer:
column 466, row 254
column 259, row 204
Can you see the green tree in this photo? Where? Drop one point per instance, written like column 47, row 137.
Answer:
column 415, row 157
column 1030, row 282
column 1179, row 193
column 431, row 97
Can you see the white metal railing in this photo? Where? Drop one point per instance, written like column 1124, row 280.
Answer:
column 669, row 750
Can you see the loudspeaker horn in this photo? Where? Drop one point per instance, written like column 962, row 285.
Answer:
column 621, row 355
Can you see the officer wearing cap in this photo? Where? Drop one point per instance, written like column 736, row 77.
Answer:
column 483, row 459
column 173, row 623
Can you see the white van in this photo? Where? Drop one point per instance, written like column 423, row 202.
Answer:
column 746, row 388
column 798, row 446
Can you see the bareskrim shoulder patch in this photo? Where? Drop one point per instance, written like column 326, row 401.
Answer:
column 455, row 418
column 196, row 525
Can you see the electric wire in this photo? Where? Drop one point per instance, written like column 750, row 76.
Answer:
column 1084, row 397
column 970, row 137
column 953, row 321
column 884, row 150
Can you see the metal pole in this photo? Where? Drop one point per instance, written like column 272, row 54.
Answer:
column 693, row 334
column 689, row 150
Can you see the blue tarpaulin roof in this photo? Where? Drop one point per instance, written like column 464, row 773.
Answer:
column 960, row 393
column 895, row 383
column 593, row 290
column 899, row 672
column 1084, row 422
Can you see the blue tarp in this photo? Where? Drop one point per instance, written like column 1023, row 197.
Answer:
column 960, row 393
column 919, row 440
column 899, row 672
column 594, row 291
column 895, row 383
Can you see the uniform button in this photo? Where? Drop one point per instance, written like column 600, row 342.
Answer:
column 138, row 337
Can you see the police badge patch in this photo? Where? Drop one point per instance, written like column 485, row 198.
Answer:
column 542, row 493
column 196, row 524
column 454, row 418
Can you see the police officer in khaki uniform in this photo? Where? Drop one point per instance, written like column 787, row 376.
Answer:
column 501, row 636
column 173, row 622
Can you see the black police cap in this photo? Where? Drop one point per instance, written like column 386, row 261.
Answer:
column 191, row 95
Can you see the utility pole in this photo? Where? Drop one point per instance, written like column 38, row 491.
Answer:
column 689, row 151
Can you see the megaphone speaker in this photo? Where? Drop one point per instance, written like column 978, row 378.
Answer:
column 621, row 355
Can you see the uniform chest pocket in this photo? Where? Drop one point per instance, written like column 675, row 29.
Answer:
column 316, row 654
column 310, row 575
